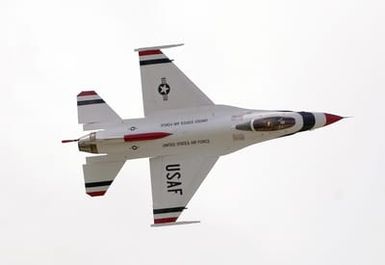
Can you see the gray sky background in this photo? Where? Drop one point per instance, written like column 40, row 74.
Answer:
column 314, row 198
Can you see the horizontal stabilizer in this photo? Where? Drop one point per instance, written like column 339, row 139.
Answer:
column 94, row 112
column 100, row 172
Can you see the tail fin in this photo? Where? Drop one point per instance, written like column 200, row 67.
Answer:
column 94, row 112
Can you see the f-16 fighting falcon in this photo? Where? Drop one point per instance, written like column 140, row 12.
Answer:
column 183, row 133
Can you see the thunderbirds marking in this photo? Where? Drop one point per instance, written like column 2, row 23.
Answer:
column 183, row 132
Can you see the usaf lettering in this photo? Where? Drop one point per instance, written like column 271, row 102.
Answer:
column 173, row 176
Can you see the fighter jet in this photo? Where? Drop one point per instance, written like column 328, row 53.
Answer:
column 183, row 133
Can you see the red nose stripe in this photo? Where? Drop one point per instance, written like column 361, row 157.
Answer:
column 145, row 136
column 331, row 118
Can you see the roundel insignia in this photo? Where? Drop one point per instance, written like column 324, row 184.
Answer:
column 134, row 147
column 164, row 89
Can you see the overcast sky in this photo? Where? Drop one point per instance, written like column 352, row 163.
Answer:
column 313, row 198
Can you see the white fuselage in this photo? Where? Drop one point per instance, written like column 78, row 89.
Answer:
column 211, row 130
column 183, row 132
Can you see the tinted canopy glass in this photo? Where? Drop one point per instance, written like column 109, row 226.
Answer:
column 267, row 124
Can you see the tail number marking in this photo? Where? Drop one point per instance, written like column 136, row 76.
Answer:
column 173, row 177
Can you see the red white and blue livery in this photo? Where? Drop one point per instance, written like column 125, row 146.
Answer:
column 183, row 133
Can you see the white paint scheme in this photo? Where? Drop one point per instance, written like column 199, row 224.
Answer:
column 184, row 135
column 320, row 120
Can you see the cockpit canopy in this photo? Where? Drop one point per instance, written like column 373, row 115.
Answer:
column 267, row 124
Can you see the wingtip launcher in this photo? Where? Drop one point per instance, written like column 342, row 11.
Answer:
column 176, row 223
column 158, row 47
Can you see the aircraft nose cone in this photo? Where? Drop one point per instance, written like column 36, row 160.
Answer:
column 331, row 118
